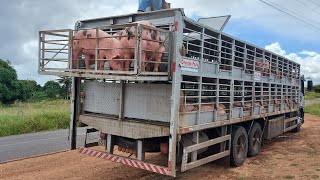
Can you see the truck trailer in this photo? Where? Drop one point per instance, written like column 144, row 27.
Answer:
column 213, row 97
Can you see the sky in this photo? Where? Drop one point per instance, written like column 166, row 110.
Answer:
column 251, row 20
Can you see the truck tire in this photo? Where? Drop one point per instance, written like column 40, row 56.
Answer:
column 239, row 146
column 300, row 121
column 254, row 140
column 296, row 130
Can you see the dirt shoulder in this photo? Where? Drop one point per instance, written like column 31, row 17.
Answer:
column 291, row 156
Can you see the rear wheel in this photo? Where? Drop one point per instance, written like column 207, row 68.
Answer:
column 254, row 140
column 239, row 146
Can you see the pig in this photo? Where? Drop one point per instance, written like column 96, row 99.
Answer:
column 207, row 107
column 266, row 67
column 247, row 106
column 259, row 64
column 152, row 47
column 185, row 107
column 127, row 47
column 279, row 74
column 237, row 104
column 221, row 109
column 155, row 53
column 183, row 51
column 84, row 42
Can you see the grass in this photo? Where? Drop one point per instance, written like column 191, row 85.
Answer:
column 312, row 95
column 313, row 109
column 22, row 118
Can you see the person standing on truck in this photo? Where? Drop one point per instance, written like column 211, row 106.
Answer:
column 155, row 5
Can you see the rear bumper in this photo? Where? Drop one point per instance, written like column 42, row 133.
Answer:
column 134, row 129
column 126, row 161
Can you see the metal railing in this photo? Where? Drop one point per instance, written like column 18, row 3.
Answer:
column 57, row 54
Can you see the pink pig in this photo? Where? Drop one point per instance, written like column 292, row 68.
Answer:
column 221, row 109
column 84, row 42
column 207, row 107
column 151, row 49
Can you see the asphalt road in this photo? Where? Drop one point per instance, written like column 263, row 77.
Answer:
column 26, row 145
column 311, row 102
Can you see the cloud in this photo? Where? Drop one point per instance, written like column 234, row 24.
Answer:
column 276, row 48
column 309, row 53
column 309, row 64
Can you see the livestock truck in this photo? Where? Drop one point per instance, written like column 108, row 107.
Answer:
column 213, row 97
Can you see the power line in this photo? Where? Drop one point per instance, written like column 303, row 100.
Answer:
column 315, row 28
column 292, row 12
column 314, row 3
column 318, row 12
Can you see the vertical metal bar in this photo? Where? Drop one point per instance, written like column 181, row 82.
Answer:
column 121, row 99
column 223, row 133
column 43, row 49
column 175, row 97
column 254, row 80
column 75, row 103
column 39, row 52
column 170, row 60
column 195, row 137
column 140, row 150
column 70, row 49
column 243, row 97
column 97, row 51
column 233, row 55
column 200, row 77
column 137, row 54
column 139, row 29
column 110, row 146
column 220, row 49
column 217, row 99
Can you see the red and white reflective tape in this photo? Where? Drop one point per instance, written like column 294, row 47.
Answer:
column 125, row 161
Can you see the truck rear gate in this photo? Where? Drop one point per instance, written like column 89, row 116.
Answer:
column 194, row 104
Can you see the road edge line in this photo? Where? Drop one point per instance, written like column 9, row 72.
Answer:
column 34, row 156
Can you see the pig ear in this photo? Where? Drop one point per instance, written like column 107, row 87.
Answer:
column 116, row 56
column 154, row 35
column 130, row 33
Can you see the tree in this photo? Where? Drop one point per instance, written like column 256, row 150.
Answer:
column 52, row 89
column 27, row 89
column 65, row 83
column 9, row 86
column 316, row 88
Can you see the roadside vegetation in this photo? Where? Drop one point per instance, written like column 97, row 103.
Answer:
column 312, row 95
column 27, row 107
column 22, row 118
column 313, row 109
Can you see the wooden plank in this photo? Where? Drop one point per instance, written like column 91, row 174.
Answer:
column 207, row 143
